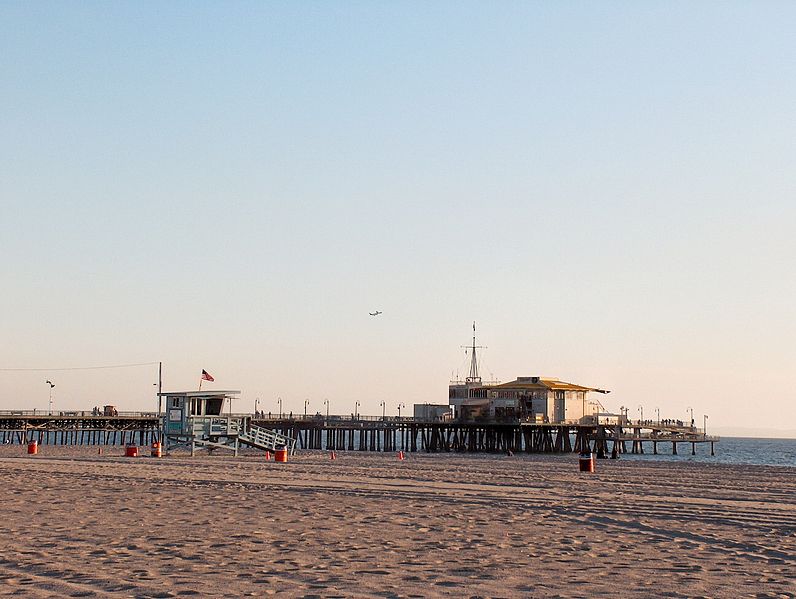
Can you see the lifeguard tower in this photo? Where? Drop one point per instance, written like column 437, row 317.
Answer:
column 195, row 419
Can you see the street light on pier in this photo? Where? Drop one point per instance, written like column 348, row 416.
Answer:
column 356, row 410
column 400, row 405
column 256, row 403
column 658, row 413
column 326, row 403
column 705, row 424
column 692, row 415
column 383, row 405
column 641, row 411
column 52, row 385
column 306, row 403
column 280, row 407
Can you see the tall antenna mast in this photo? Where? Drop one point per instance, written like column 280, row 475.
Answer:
column 474, row 378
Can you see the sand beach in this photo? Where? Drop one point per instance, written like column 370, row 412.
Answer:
column 79, row 524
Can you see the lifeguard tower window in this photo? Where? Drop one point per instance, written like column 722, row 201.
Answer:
column 175, row 402
column 212, row 406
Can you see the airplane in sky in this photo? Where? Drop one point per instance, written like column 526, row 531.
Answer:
column 376, row 313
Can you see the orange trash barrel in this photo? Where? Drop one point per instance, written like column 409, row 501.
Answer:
column 33, row 447
column 280, row 455
column 586, row 462
column 157, row 450
column 131, row 451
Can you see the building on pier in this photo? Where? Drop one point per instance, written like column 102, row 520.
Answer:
column 527, row 398
column 542, row 399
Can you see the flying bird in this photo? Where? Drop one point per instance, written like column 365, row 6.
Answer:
column 376, row 313
column 50, row 383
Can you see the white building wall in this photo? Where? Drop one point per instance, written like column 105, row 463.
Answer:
column 574, row 405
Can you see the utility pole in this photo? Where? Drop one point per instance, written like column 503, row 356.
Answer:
column 160, row 385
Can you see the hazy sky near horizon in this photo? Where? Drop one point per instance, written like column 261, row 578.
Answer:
column 606, row 188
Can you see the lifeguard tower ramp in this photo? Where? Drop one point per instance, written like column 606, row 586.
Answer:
column 194, row 419
column 266, row 439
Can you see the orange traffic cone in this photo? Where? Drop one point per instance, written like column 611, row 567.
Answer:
column 267, row 455
column 332, row 455
column 400, row 455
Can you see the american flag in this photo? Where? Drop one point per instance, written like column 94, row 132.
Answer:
column 206, row 376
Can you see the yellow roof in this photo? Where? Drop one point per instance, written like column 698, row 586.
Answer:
column 527, row 382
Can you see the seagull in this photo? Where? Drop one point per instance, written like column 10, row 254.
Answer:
column 376, row 313
column 50, row 383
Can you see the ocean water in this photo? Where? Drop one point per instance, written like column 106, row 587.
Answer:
column 730, row 450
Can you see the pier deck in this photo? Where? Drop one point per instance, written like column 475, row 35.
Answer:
column 343, row 433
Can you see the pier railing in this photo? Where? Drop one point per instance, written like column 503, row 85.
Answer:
column 663, row 427
column 78, row 413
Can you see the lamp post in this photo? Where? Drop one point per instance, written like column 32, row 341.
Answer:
column 326, row 402
column 383, row 405
column 658, row 412
column 356, row 410
column 306, row 403
column 280, row 407
column 400, row 405
column 256, row 402
column 705, row 425
column 692, row 415
column 51, row 395
column 641, row 410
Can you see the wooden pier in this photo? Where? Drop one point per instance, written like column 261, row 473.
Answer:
column 342, row 433
column 79, row 428
column 411, row 435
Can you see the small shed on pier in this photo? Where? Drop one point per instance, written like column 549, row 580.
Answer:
column 429, row 411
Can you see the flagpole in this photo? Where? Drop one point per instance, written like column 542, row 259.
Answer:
column 200, row 383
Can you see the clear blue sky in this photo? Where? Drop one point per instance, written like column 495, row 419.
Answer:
column 607, row 188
